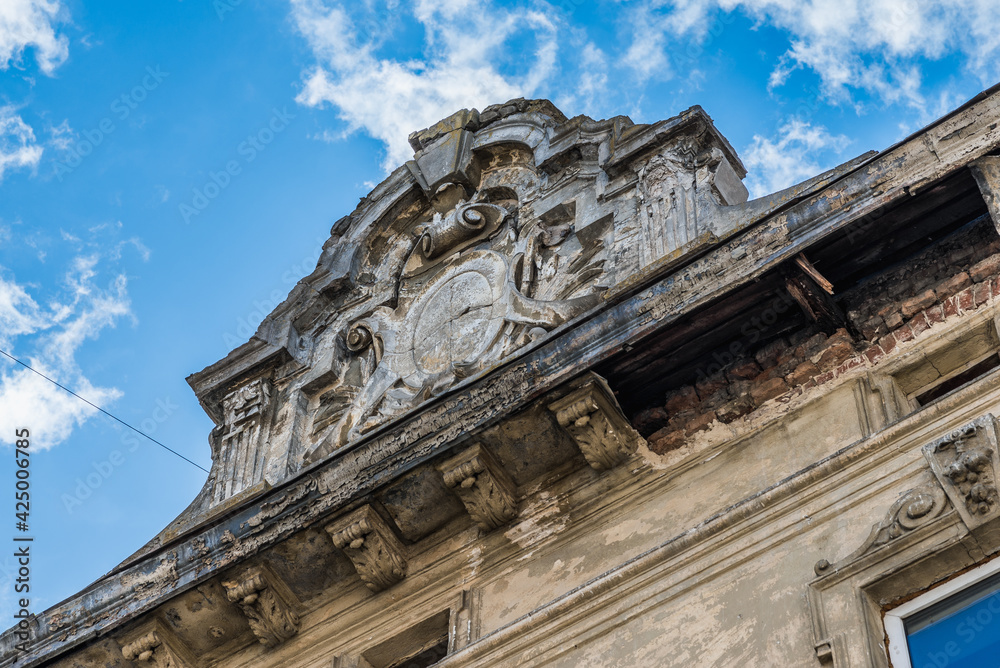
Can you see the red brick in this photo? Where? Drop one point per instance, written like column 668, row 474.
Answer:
column 965, row 300
column 984, row 269
column 894, row 320
column 666, row 440
column 700, row 421
column 903, row 334
column 823, row 378
column 874, row 354
column 682, row 399
column 768, row 355
column 735, row 409
column 743, row 370
column 852, row 363
column 934, row 314
column 706, row 386
column 802, row 373
column 811, row 346
column 950, row 307
column 953, row 285
column 717, row 399
column 887, row 343
column 650, row 420
column 873, row 328
column 981, row 293
column 915, row 305
column 919, row 324
column 768, row 390
column 835, row 354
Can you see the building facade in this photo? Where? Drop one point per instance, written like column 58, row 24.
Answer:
column 558, row 394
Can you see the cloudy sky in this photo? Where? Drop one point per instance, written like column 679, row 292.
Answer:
column 170, row 169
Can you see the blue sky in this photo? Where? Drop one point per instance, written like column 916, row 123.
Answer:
column 170, row 169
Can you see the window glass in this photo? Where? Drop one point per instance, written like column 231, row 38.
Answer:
column 961, row 631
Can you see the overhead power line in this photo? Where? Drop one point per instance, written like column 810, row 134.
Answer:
column 141, row 433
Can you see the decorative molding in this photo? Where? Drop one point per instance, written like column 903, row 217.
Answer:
column 966, row 462
column 241, row 455
column 271, row 617
column 913, row 509
column 483, row 486
column 157, row 647
column 370, row 543
column 593, row 419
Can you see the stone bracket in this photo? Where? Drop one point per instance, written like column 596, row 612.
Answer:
column 156, row 646
column 966, row 463
column 483, row 486
column 594, row 420
column 271, row 617
column 370, row 543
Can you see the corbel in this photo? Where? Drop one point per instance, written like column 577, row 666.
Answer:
column 483, row 486
column 156, row 646
column 370, row 543
column 595, row 422
column 259, row 594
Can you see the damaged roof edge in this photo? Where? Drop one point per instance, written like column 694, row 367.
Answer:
column 924, row 157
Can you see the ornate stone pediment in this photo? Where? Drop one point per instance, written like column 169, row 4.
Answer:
column 505, row 226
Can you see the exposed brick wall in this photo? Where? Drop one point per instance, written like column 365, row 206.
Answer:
column 953, row 278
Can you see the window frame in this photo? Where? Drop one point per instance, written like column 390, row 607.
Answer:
column 894, row 620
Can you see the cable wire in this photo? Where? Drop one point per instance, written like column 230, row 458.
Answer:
column 103, row 411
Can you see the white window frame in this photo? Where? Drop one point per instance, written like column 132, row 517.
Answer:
column 899, row 653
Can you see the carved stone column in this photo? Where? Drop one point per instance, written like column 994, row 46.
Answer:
column 157, row 647
column 966, row 463
column 483, row 486
column 271, row 617
column 593, row 419
column 370, row 543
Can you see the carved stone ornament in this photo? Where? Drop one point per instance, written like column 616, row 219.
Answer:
column 371, row 545
column 966, row 463
column 271, row 617
column 157, row 647
column 241, row 453
column 470, row 277
column 593, row 419
column 913, row 509
column 483, row 486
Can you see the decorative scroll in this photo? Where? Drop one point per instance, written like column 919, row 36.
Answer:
column 593, row 419
column 483, row 486
column 966, row 464
column 371, row 545
column 271, row 617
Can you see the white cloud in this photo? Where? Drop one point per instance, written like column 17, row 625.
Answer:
column 17, row 142
column 793, row 156
column 29, row 24
column 52, row 336
column 463, row 63
column 868, row 45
